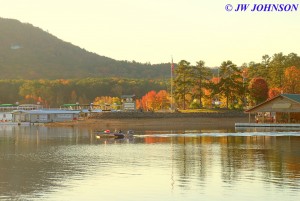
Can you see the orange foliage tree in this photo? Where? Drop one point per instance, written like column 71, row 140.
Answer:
column 273, row 92
column 155, row 101
column 208, row 99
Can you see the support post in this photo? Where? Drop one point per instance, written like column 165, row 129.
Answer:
column 249, row 117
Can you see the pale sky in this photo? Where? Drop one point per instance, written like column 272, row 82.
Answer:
column 155, row 30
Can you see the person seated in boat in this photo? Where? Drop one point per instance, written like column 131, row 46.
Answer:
column 120, row 131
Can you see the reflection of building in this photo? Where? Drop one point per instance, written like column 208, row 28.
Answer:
column 284, row 108
column 128, row 102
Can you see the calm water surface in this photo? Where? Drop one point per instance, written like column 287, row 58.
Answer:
column 39, row 163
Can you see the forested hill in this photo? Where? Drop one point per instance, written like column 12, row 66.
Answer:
column 28, row 52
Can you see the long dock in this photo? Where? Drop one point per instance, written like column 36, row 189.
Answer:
column 265, row 125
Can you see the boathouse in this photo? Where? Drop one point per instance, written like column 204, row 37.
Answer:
column 44, row 116
column 282, row 109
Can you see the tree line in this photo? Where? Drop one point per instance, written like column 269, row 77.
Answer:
column 228, row 86
column 194, row 86
column 236, row 86
column 54, row 93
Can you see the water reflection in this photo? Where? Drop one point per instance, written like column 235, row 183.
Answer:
column 267, row 129
column 41, row 162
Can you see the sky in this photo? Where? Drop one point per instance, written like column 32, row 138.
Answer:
column 156, row 31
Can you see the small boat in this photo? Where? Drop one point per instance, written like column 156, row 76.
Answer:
column 108, row 134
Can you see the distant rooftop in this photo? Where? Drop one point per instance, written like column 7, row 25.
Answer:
column 128, row 96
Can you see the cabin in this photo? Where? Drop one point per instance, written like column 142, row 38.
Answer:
column 44, row 116
column 128, row 102
column 282, row 109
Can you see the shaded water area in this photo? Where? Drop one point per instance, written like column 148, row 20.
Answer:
column 40, row 163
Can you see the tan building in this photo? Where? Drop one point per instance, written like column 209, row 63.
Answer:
column 284, row 108
column 128, row 102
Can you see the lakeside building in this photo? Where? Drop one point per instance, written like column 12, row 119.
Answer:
column 44, row 116
column 5, row 116
column 7, row 109
column 280, row 111
column 128, row 102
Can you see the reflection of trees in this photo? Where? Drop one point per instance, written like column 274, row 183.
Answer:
column 192, row 160
column 273, row 159
column 28, row 161
column 272, row 156
column 36, row 158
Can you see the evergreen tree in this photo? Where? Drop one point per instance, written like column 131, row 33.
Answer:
column 230, row 85
column 182, row 82
column 276, row 70
column 200, row 75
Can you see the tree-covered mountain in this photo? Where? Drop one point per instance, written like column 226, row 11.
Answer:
column 28, row 52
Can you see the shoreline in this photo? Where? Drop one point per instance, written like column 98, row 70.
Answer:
column 171, row 123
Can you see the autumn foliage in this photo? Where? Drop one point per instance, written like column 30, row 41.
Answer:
column 155, row 101
column 292, row 80
column 258, row 89
column 273, row 92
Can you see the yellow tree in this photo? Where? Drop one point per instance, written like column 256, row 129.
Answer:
column 291, row 80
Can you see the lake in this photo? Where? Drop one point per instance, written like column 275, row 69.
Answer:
column 40, row 163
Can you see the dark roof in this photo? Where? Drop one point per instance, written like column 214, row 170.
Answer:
column 128, row 96
column 294, row 97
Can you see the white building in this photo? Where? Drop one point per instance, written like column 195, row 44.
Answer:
column 5, row 116
column 44, row 116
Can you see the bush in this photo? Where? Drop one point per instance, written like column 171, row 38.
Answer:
column 194, row 105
